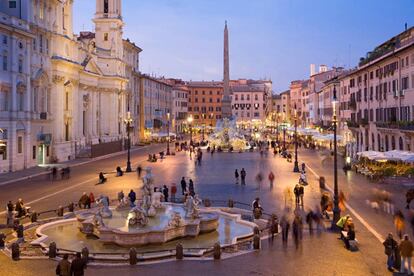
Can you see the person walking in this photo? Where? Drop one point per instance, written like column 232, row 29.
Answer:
column 10, row 206
column 173, row 192
column 132, row 197
column 236, row 176
column 297, row 230
column 390, row 246
column 272, row 225
column 301, row 194
column 271, row 179
column 191, row 187
column 399, row 222
column 284, row 223
column 259, row 179
column 139, row 171
column 309, row 220
column 120, row 196
column 406, row 251
column 165, row 193
column 91, row 199
column 296, row 192
column 183, row 185
column 243, row 176
column 78, row 265
column 63, row 268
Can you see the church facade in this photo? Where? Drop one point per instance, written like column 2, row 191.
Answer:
column 61, row 93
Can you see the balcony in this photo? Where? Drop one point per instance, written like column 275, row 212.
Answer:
column 403, row 125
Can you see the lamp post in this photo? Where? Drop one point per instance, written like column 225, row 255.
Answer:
column 336, row 209
column 277, row 127
column 128, row 122
column 203, row 125
column 296, row 165
column 168, row 130
column 190, row 120
column 284, row 137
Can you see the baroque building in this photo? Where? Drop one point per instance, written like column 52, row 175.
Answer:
column 60, row 93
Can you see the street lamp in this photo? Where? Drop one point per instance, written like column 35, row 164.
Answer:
column 296, row 165
column 190, row 120
column 336, row 209
column 168, row 130
column 203, row 125
column 128, row 122
column 277, row 127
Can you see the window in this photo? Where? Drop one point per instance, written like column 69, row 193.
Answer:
column 105, row 36
column 41, row 43
column 20, row 65
column 218, row 100
column 5, row 61
column 106, row 6
column 34, row 44
column 47, row 46
column 5, row 39
column 34, row 152
column 42, row 11
column 20, row 144
column 256, row 114
column 404, row 83
column 12, row 4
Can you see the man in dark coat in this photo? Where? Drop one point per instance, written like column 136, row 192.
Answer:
column 183, row 185
column 78, row 265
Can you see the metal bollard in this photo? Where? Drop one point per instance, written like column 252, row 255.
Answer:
column 256, row 242
column 179, row 251
column 60, row 211
column 33, row 217
column 133, row 256
column 230, row 203
column 217, row 251
column 15, row 251
column 20, row 231
column 85, row 254
column 71, row 207
column 52, row 250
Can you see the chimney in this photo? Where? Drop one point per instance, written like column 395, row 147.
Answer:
column 323, row 68
column 312, row 69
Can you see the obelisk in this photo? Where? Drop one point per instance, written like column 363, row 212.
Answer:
column 226, row 101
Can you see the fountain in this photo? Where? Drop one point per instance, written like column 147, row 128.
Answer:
column 227, row 136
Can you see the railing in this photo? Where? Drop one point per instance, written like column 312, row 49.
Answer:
column 404, row 125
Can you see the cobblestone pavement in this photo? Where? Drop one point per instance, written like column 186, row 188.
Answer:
column 319, row 255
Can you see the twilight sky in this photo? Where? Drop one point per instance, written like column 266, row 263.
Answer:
column 275, row 39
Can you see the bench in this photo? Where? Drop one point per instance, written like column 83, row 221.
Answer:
column 353, row 244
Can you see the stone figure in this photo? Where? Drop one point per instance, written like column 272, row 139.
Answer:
column 138, row 217
column 156, row 200
column 124, row 204
column 147, row 205
column 103, row 201
column 175, row 220
column 97, row 219
column 191, row 207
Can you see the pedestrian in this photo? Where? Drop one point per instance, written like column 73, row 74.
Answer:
column 173, row 192
column 236, row 175
column 301, row 194
column 406, row 251
column 257, row 208
column 121, row 196
column 84, row 201
column 191, row 187
column 350, row 236
column 91, row 198
column 139, row 171
column 342, row 222
column 78, row 265
column 271, row 179
column 259, row 179
column 399, row 223
column 296, row 192
column 284, row 223
column 390, row 246
column 297, row 230
column 10, row 206
column 63, row 267
column 243, row 176
column 309, row 220
column 165, row 193
column 132, row 197
column 183, row 185
column 273, row 226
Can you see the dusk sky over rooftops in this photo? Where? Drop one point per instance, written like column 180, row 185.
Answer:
column 268, row 39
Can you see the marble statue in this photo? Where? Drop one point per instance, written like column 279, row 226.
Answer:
column 147, row 204
column 175, row 220
column 124, row 204
column 103, row 202
column 138, row 217
column 97, row 219
column 156, row 199
column 191, row 207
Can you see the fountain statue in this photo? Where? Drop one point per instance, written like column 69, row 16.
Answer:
column 124, row 204
column 175, row 220
column 103, row 202
column 228, row 136
column 147, row 206
column 156, row 199
column 98, row 220
column 137, row 217
column 191, row 206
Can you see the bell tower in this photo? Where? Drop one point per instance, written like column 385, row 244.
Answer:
column 108, row 26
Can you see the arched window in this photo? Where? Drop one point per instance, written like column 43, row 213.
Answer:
column 401, row 143
column 386, row 142
column 373, row 141
column 106, row 6
column 379, row 142
column 392, row 142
